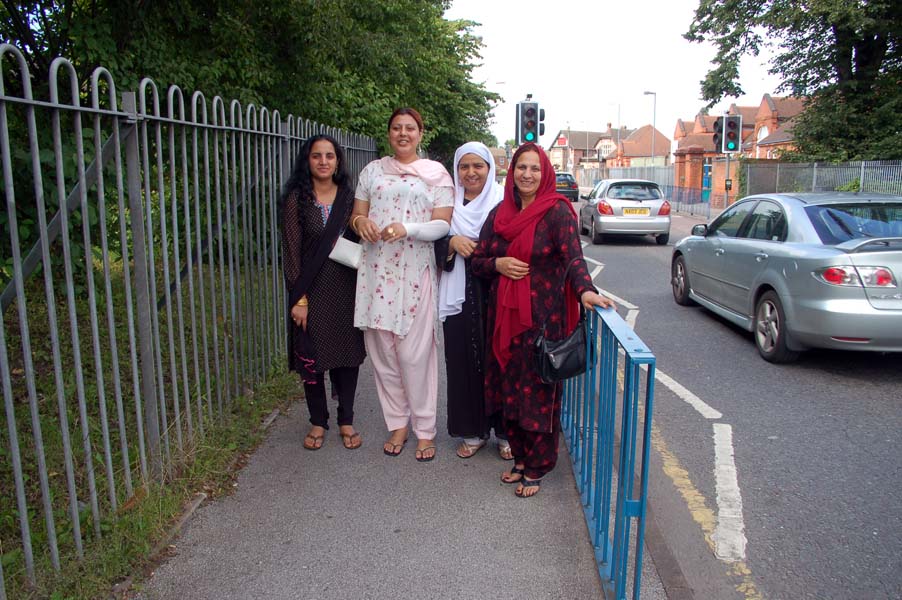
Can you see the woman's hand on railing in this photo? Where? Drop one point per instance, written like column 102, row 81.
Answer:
column 590, row 299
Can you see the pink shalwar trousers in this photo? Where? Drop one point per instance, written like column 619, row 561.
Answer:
column 406, row 369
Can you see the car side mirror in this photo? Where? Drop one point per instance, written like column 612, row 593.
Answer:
column 584, row 196
column 701, row 230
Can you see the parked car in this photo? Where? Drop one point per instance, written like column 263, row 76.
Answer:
column 800, row 271
column 625, row 206
column 566, row 186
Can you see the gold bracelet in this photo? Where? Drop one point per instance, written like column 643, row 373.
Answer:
column 354, row 222
column 302, row 301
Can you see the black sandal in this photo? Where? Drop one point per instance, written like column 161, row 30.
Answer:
column 527, row 483
column 514, row 471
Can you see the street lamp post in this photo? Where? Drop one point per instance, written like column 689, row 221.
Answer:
column 654, row 114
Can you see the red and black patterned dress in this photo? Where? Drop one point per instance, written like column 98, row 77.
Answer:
column 518, row 392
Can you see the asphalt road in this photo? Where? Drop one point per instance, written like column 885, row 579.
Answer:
column 816, row 448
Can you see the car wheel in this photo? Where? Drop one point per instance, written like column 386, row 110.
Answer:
column 597, row 238
column 663, row 239
column 679, row 281
column 582, row 228
column 770, row 330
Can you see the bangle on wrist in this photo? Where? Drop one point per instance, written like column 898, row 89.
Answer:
column 302, row 301
column 354, row 222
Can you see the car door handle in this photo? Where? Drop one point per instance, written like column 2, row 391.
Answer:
column 761, row 256
column 719, row 252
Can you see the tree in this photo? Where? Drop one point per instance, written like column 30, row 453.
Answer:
column 844, row 57
column 341, row 62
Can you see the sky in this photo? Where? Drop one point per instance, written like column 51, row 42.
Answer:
column 588, row 62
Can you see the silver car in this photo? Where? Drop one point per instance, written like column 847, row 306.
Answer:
column 625, row 206
column 800, row 271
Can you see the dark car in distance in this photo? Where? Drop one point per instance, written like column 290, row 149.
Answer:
column 566, row 186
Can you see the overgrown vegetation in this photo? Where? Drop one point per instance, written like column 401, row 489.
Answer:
column 117, row 543
column 844, row 57
column 345, row 63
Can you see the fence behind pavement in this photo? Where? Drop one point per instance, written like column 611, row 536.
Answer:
column 152, row 222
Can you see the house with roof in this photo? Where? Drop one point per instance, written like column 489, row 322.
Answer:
column 773, row 124
column 572, row 147
column 638, row 150
column 766, row 132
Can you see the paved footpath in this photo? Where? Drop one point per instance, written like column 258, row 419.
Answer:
column 344, row 524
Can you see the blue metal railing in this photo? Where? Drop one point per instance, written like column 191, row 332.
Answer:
column 589, row 415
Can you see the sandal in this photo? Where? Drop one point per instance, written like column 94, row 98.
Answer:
column 313, row 442
column 351, row 441
column 466, row 450
column 421, row 454
column 528, row 484
column 390, row 449
column 505, row 452
column 515, row 470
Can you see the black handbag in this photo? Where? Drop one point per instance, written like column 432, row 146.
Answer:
column 557, row 360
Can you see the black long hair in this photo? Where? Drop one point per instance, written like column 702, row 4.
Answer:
column 300, row 178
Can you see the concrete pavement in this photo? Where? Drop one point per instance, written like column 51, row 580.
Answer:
column 357, row 524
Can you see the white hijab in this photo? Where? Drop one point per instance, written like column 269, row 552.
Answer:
column 467, row 221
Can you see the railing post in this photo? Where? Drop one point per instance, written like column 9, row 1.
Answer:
column 142, row 293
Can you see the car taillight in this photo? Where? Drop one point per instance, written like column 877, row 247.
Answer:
column 573, row 186
column 851, row 276
column 665, row 209
column 604, row 208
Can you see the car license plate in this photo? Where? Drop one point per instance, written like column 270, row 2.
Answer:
column 637, row 211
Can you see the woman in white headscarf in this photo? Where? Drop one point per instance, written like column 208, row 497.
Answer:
column 462, row 300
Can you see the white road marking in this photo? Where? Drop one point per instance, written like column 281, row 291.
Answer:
column 594, row 262
column 617, row 299
column 729, row 534
column 686, row 396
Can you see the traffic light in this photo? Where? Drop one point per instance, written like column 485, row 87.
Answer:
column 527, row 122
column 541, row 122
column 718, row 135
column 732, row 133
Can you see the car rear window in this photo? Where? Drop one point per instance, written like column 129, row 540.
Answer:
column 634, row 191
column 563, row 177
column 838, row 223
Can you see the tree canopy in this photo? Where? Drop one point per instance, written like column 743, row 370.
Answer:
column 344, row 63
column 844, row 56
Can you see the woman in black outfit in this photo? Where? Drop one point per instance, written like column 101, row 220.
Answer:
column 462, row 299
column 315, row 208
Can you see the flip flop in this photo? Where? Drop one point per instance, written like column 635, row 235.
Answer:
column 348, row 440
column 422, row 457
column 466, row 450
column 313, row 445
column 396, row 449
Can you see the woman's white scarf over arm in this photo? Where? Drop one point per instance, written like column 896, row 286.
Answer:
column 466, row 221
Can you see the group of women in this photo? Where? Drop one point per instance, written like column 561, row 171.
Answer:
column 485, row 261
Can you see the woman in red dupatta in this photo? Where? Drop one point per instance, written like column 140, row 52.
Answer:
column 524, row 249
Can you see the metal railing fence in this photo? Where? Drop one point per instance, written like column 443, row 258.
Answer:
column 865, row 176
column 589, row 420
column 161, row 300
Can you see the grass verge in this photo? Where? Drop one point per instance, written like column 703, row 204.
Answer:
column 126, row 548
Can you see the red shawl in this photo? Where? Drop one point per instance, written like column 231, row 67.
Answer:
column 513, row 310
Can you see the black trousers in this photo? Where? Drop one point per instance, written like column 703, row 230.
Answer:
column 344, row 385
